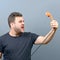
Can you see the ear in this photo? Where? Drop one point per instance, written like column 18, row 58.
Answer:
column 12, row 24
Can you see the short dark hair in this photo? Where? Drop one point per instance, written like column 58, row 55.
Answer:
column 12, row 16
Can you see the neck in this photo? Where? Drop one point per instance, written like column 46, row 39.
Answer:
column 13, row 33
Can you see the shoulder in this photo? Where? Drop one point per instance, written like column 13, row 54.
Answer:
column 3, row 36
column 26, row 33
column 30, row 34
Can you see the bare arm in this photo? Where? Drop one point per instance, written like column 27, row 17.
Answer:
column 48, row 37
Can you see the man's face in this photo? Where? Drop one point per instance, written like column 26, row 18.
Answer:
column 18, row 24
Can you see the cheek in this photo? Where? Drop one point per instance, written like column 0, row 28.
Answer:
column 17, row 25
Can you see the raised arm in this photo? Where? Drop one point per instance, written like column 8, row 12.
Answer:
column 48, row 37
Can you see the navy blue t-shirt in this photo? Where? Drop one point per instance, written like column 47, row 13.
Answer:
column 17, row 48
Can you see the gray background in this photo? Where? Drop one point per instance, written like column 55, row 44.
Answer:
column 36, row 22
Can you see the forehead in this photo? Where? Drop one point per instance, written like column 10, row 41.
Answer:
column 19, row 18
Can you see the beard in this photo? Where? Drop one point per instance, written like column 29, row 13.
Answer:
column 17, row 30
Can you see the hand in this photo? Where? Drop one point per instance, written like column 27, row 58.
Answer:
column 0, row 55
column 54, row 24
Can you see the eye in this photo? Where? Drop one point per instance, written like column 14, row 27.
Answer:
column 21, row 21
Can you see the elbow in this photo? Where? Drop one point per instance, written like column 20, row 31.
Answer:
column 45, row 43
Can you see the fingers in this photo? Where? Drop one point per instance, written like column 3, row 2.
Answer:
column 54, row 24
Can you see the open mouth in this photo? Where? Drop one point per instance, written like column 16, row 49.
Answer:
column 22, row 27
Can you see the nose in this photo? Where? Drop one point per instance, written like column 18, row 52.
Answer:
column 23, row 22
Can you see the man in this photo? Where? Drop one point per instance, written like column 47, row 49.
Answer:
column 17, row 44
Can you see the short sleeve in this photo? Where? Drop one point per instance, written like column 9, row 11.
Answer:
column 34, row 37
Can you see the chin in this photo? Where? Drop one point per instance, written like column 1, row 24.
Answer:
column 22, row 31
